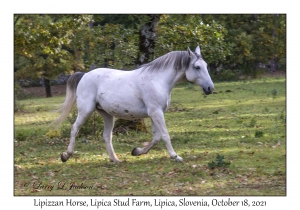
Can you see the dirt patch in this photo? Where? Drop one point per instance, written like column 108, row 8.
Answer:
column 275, row 74
column 56, row 90
column 267, row 74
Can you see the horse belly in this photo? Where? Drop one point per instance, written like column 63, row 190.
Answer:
column 119, row 95
column 129, row 109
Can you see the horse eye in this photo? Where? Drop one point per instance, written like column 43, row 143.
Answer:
column 197, row 67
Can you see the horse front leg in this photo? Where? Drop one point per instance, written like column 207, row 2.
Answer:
column 159, row 132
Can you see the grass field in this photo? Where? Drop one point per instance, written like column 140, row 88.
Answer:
column 232, row 142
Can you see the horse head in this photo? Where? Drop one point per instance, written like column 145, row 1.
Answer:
column 197, row 71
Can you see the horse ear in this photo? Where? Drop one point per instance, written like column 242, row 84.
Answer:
column 190, row 52
column 197, row 51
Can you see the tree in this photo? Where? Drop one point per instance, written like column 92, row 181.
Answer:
column 112, row 46
column 256, row 39
column 178, row 32
column 42, row 46
column 147, row 39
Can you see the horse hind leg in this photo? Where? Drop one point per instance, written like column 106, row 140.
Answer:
column 107, row 135
column 83, row 113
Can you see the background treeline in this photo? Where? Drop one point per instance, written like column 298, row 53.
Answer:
column 232, row 45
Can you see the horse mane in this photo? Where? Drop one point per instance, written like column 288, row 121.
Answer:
column 179, row 59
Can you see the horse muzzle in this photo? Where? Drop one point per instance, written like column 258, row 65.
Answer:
column 208, row 90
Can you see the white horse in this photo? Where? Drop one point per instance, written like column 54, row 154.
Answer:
column 144, row 92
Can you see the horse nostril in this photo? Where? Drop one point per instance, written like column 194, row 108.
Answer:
column 209, row 89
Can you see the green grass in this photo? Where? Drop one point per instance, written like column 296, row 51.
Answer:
column 244, row 122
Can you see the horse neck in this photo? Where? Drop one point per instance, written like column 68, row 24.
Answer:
column 175, row 76
column 167, row 77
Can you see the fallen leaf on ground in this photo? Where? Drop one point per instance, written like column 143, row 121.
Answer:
column 277, row 145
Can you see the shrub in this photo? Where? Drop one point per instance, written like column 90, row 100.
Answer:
column 226, row 75
column 259, row 134
column 19, row 93
column 274, row 93
column 124, row 126
column 53, row 133
column 20, row 136
column 219, row 162
column 252, row 122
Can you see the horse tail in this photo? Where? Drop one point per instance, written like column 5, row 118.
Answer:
column 70, row 99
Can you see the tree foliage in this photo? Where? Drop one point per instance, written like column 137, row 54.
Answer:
column 112, row 46
column 256, row 39
column 47, row 45
column 177, row 32
column 43, row 44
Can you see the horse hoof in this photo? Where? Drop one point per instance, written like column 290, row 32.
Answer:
column 64, row 157
column 134, row 152
column 117, row 161
column 178, row 159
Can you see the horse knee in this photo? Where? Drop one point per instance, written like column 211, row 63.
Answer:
column 107, row 136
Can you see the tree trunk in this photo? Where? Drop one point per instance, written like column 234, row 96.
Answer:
column 148, row 39
column 47, row 88
column 146, row 48
column 273, row 62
